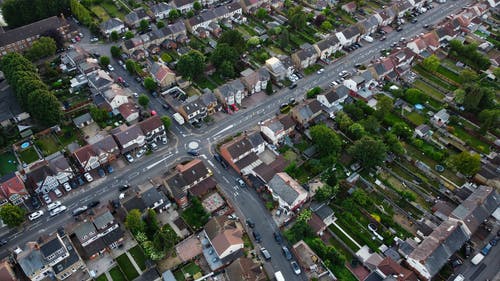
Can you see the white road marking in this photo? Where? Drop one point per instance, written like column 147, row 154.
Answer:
column 210, row 162
column 158, row 162
column 204, row 156
column 225, row 179
column 223, row 130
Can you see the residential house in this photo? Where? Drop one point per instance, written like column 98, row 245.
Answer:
column 116, row 95
column 183, row 5
column 209, row 101
column 129, row 111
column 241, row 153
column 316, row 224
column 6, row 271
column 433, row 253
column 277, row 69
column 213, row 15
column 161, row 10
column 287, row 191
column 327, row 47
column 21, row 38
column 145, row 198
column 189, row 176
column 323, row 211
column 391, row 268
column 225, row 237
column 440, row 118
column 175, row 32
column 131, row 45
column 387, row 16
column 431, row 40
column 231, row 94
column 91, row 156
column 12, row 189
column 83, row 120
column 349, row 7
column 162, row 75
column 255, row 81
column 153, row 128
column 60, row 167
column 355, row 83
column 245, row 269
column 423, row 131
column 100, row 80
column 263, row 173
column 87, row 67
column 332, row 100
column 349, row 35
column 311, row 263
column 251, row 6
column 134, row 18
column 193, row 111
column 369, row 25
column 128, row 138
column 98, row 234
column 305, row 57
column 277, row 128
column 31, row 262
column 41, row 178
column 214, row 29
column 305, row 113
column 382, row 68
column 112, row 25
column 402, row 7
column 402, row 60
column 446, row 33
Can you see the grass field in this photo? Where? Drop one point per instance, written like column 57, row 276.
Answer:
column 138, row 256
column 102, row 278
column 100, row 13
column 449, row 74
column 415, row 118
column 428, row 90
column 471, row 140
column 28, row 155
column 127, row 267
column 190, row 268
column 112, row 10
column 47, row 144
column 8, row 163
column 116, row 274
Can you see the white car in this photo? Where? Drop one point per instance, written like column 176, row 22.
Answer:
column 296, row 268
column 35, row 215
column 47, row 199
column 58, row 210
column 135, row 95
column 88, row 177
column 94, row 39
column 67, row 187
column 57, row 192
column 342, row 73
column 320, row 71
column 110, row 67
column 153, row 146
column 140, row 153
column 129, row 157
column 53, row 205
column 164, row 140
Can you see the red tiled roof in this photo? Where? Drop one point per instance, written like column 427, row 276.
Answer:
column 151, row 124
column 13, row 185
column 83, row 154
column 127, row 109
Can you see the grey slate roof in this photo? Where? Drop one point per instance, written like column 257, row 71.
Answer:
column 30, row 30
column 153, row 195
column 256, row 139
column 101, row 221
column 68, row 261
column 160, row 8
column 111, row 24
column 283, row 189
column 83, row 231
column 50, row 247
column 31, row 261
column 82, row 119
column 130, row 133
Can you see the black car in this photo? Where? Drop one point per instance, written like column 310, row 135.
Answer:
column 399, row 28
column 3, row 242
column 124, row 187
column 193, row 152
column 138, row 79
column 35, row 203
column 250, row 223
column 125, row 84
column 293, row 86
column 257, row 236
column 223, row 164
column 414, row 20
column 217, row 157
column 277, row 237
column 94, row 204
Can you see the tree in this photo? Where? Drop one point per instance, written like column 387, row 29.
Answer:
column 326, row 25
column 80, row 12
column 131, row 66
column 466, row 163
column 114, row 36
column 174, row 14
column 234, row 39
column 129, row 35
column 151, row 225
column 468, row 76
column 44, row 107
column 43, row 47
column 401, row 130
column 325, row 193
column 304, row 216
column 490, row 118
column 197, row 6
column 134, row 221
column 104, row 61
column 325, row 139
column 116, row 51
column 356, row 131
column 369, row 152
column 269, row 88
column 143, row 100
column 371, row 124
column 413, row 96
column 150, row 84
column 261, row 13
column 431, row 63
column 384, row 106
column 191, row 65
column 319, row 19
column 99, row 114
column 284, row 39
column 12, row 215
column 189, row 13
column 143, row 25
column 226, row 69
column 343, row 120
column 160, row 24
column 297, row 17
column 478, row 98
column 21, row 12
column 167, row 122
column 393, row 144
column 253, row 41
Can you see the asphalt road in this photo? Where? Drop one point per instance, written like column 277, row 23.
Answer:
column 246, row 201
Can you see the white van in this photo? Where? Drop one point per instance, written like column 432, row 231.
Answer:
column 279, row 276
column 459, row 277
column 477, row 259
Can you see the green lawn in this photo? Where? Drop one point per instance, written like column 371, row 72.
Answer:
column 139, row 256
column 428, row 90
column 415, row 118
column 344, row 238
column 112, row 10
column 116, row 274
column 127, row 267
column 28, row 155
column 9, row 163
column 205, row 83
column 311, row 69
column 100, row 12
column 68, row 135
column 102, row 278
column 433, row 78
column 449, row 74
column 190, row 268
column 471, row 140
column 47, row 144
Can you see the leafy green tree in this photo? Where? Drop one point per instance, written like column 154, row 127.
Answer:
column 253, row 41
column 189, row 13
column 165, row 240
column 114, row 36
column 326, row 25
column 466, row 163
column 299, row 231
column 261, row 13
column 284, row 39
column 150, row 84
column 401, row 130
column 131, row 66
column 325, row 139
column 129, row 35
column 384, row 106
column 160, row 24
column 297, row 17
column 354, row 111
column 12, row 215
column 371, row 124
column 104, row 61
column 134, row 221
column 490, row 118
column 116, row 51
column 343, row 120
column 269, row 88
column 468, row 76
column 234, row 39
column 478, row 98
column 44, row 107
column 143, row 25
column 369, row 152
column 304, row 216
column 167, row 122
column 80, row 12
column 414, row 96
column 151, row 225
column 356, row 131
column 312, row 93
column 431, row 63
column 226, row 69
column 393, row 144
column 143, row 100
column 21, row 12
column 99, row 115
column 42, row 47
column 325, row 193
column 191, row 65
column 174, row 14
column 197, row 6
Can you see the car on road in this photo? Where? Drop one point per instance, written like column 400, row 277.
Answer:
column 414, row 20
column 129, row 158
column 88, row 177
column 47, row 199
column 286, row 253
column 110, row 67
column 240, row 182
column 486, row 250
column 153, row 146
column 67, row 186
column 250, row 223
column 321, row 70
column 293, row 86
column 383, row 38
column 80, row 210
column 35, row 215
column 399, row 28
column 426, row 26
column 164, row 140
column 343, row 73
column 257, row 236
column 140, row 153
column 296, row 268
column 193, row 152
column 468, row 250
column 265, row 253
column 277, row 237
column 94, row 204
column 94, row 39
column 124, row 187
column 57, row 192
column 3, row 242
column 135, row 95
column 493, row 242
column 53, row 205
column 58, row 210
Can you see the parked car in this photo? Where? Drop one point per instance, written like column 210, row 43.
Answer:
column 109, row 169
column 265, row 253
column 35, row 215
column 193, row 152
column 47, row 199
column 110, row 67
column 35, row 203
column 67, row 186
column 140, row 153
column 53, row 205
column 129, row 158
column 164, row 140
column 293, row 86
column 88, row 177
column 250, row 223
column 257, row 236
column 321, row 70
column 240, row 182
column 286, row 253
column 93, row 204
column 277, row 237
column 58, row 210
column 3, row 242
column 296, row 268
column 124, row 187
column 153, row 146
column 80, row 210
column 57, row 192
column 486, row 250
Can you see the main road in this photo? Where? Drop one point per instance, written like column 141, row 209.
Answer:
column 246, row 201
